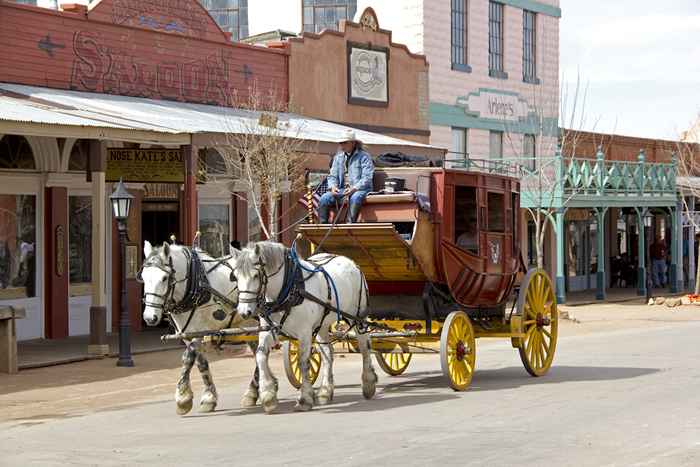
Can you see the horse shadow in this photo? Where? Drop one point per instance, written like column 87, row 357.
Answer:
column 428, row 387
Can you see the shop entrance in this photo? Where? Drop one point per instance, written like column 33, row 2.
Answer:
column 159, row 221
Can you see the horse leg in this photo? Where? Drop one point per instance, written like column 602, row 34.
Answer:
column 183, row 393
column 209, row 397
column 324, row 394
column 250, row 397
column 306, row 396
column 369, row 377
column 268, row 383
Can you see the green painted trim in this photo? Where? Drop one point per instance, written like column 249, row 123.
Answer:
column 458, row 116
column 533, row 5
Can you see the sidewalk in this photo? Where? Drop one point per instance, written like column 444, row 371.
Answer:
column 46, row 352
column 615, row 295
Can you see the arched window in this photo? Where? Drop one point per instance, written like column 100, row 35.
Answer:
column 211, row 162
column 78, row 160
column 15, row 153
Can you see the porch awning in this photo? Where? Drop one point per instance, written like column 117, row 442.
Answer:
column 33, row 110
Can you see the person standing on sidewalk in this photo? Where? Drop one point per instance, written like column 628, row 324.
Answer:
column 658, row 263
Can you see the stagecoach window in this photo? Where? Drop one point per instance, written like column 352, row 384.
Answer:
column 496, row 212
column 466, row 232
column 404, row 229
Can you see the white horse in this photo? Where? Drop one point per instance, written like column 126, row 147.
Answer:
column 169, row 287
column 265, row 275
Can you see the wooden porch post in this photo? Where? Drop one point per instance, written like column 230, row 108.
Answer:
column 691, row 248
column 190, row 227
column 560, row 281
column 676, row 233
column 600, row 239
column 641, row 249
column 97, row 345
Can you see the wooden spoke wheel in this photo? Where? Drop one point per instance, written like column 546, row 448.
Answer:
column 290, row 351
column 395, row 362
column 537, row 306
column 458, row 350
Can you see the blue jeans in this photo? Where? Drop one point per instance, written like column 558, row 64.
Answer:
column 329, row 201
column 658, row 272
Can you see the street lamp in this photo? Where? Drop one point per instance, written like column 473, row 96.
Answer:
column 121, row 204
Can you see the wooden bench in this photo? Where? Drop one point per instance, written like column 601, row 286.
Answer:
column 8, row 338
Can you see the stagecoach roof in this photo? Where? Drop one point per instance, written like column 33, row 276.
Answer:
column 165, row 121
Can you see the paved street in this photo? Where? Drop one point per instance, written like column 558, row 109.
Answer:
column 615, row 397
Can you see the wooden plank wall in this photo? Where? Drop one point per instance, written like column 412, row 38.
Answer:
column 82, row 52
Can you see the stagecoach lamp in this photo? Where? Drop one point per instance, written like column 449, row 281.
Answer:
column 121, row 202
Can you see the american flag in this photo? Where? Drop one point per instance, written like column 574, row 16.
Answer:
column 318, row 191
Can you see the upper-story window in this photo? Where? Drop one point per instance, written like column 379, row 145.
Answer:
column 460, row 15
column 230, row 15
column 496, row 41
column 326, row 14
column 530, row 47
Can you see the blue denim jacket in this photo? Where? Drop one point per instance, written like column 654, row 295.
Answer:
column 360, row 171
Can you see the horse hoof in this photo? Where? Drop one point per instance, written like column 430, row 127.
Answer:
column 369, row 385
column 323, row 397
column 303, row 406
column 248, row 402
column 183, row 407
column 269, row 402
column 207, row 407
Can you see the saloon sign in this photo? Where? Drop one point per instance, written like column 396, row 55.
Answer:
column 145, row 165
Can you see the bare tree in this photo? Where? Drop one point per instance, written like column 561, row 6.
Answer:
column 543, row 172
column 688, row 158
column 265, row 154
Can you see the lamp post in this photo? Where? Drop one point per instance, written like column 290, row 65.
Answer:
column 649, row 283
column 121, row 203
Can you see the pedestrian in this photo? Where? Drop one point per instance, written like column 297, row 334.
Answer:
column 658, row 263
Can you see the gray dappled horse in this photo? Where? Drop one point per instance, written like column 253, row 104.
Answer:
column 199, row 293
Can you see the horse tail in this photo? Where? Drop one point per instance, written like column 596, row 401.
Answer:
column 362, row 308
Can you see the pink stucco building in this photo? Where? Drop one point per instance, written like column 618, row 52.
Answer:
column 494, row 70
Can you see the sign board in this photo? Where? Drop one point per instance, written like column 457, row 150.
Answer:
column 368, row 75
column 495, row 105
column 132, row 260
column 145, row 165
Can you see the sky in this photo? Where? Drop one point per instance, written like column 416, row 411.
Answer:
column 639, row 61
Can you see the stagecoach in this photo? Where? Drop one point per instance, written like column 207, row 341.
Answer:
column 442, row 258
column 440, row 250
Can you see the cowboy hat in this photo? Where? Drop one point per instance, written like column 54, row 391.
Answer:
column 348, row 135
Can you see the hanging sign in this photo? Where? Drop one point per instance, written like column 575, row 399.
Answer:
column 145, row 165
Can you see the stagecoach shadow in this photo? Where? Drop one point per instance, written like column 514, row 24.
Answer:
column 515, row 377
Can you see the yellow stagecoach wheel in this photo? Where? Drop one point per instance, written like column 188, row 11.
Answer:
column 458, row 350
column 537, row 306
column 290, row 351
column 395, row 362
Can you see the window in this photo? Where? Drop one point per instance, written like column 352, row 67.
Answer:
column 80, row 239
column 496, row 144
column 459, row 144
column 326, row 14
column 230, row 15
column 17, row 246
column 466, row 232
column 496, row 41
column 496, row 212
column 79, row 154
column 530, row 47
column 215, row 228
column 460, row 36
column 529, row 152
column 15, row 153
column 211, row 162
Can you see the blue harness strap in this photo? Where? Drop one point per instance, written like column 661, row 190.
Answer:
column 295, row 259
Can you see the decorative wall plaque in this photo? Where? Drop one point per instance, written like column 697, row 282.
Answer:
column 60, row 239
column 132, row 260
column 368, row 75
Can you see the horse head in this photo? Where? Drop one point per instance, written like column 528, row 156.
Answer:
column 158, row 275
column 256, row 271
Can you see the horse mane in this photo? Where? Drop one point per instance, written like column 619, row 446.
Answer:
column 272, row 255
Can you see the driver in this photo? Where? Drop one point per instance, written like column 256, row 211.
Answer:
column 351, row 175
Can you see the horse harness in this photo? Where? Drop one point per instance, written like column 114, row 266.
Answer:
column 294, row 292
column 198, row 290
